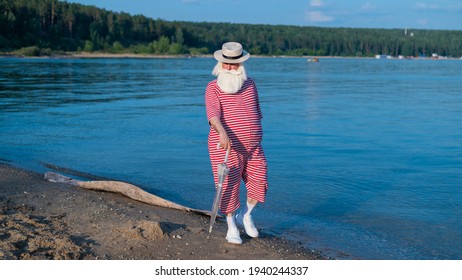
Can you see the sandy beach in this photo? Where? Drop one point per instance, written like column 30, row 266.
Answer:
column 45, row 220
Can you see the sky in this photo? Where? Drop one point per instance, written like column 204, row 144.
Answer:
column 417, row 14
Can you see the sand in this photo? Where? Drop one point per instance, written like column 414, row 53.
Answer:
column 54, row 221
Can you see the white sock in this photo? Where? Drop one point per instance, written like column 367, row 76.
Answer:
column 231, row 222
column 248, row 209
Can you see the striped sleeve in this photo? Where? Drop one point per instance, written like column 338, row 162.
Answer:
column 260, row 115
column 212, row 104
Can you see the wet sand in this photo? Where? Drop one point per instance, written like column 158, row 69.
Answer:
column 44, row 220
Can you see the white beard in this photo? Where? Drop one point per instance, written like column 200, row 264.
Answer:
column 230, row 81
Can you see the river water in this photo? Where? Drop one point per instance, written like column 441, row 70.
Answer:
column 364, row 155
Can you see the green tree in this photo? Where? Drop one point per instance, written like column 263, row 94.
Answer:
column 117, row 47
column 88, row 46
column 161, row 46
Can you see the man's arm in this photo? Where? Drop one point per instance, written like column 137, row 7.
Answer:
column 225, row 143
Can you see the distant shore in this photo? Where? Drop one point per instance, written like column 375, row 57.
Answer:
column 164, row 56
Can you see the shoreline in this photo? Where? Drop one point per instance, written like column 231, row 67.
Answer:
column 44, row 220
column 85, row 55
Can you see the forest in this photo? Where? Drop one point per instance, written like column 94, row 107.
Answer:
column 44, row 27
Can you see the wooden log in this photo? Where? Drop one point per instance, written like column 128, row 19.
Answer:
column 123, row 188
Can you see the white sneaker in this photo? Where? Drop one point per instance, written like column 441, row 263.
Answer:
column 233, row 236
column 247, row 223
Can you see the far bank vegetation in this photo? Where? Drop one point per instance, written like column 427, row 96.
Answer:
column 46, row 27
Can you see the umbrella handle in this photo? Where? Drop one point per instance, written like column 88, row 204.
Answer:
column 226, row 156
column 227, row 152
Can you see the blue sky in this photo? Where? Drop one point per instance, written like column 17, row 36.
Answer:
column 423, row 14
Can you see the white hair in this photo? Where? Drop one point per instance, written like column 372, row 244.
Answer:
column 230, row 81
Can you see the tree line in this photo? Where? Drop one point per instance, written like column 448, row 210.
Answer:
column 50, row 26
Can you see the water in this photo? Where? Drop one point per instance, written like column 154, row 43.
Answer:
column 365, row 156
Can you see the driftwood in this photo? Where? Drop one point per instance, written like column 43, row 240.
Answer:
column 123, row 188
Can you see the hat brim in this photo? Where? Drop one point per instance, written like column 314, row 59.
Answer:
column 219, row 56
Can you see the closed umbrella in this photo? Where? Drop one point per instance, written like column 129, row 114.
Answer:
column 223, row 171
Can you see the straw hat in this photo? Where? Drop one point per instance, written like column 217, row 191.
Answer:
column 231, row 52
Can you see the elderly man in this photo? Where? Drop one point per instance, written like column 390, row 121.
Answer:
column 234, row 115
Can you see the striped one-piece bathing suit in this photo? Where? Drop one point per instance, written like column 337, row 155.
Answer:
column 240, row 116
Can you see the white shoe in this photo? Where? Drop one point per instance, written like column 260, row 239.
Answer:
column 247, row 223
column 233, row 236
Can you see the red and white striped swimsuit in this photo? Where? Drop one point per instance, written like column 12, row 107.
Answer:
column 240, row 116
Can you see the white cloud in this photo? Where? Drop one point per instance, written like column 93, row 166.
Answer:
column 420, row 5
column 316, row 3
column 316, row 16
column 425, row 6
column 368, row 7
column 447, row 7
column 422, row 22
column 190, row 1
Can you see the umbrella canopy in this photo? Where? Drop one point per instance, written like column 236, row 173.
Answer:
column 223, row 171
